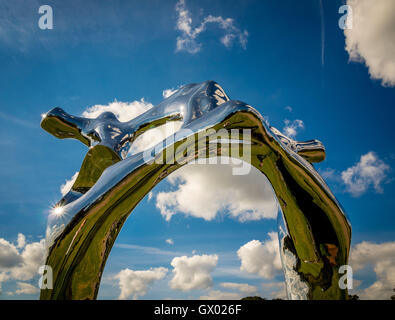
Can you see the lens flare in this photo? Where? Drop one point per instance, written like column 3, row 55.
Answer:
column 58, row 211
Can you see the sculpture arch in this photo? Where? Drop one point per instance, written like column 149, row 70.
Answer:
column 314, row 232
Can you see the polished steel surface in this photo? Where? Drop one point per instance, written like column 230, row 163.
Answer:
column 314, row 232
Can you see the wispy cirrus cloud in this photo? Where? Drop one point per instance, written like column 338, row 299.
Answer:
column 148, row 250
column 18, row 121
column 188, row 42
column 242, row 287
column 221, row 295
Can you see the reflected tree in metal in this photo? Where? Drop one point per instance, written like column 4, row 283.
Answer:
column 314, row 232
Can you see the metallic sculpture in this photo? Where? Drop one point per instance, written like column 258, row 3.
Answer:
column 314, row 232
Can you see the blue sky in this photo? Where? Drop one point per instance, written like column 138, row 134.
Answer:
column 102, row 51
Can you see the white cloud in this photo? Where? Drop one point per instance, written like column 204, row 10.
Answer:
column 9, row 255
column 242, row 287
column 11, row 118
column 262, row 258
column 168, row 92
column 32, row 256
column 193, row 272
column 136, row 283
column 187, row 41
column 21, row 241
column 153, row 136
column 328, row 173
column 170, row 241
column 371, row 39
column 20, row 264
column 66, row 187
column 289, row 108
column 3, row 277
column 220, row 295
column 124, row 111
column 204, row 190
column 369, row 171
column 24, row 288
column 292, row 128
column 381, row 257
column 148, row 250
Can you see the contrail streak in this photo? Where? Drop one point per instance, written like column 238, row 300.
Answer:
column 322, row 33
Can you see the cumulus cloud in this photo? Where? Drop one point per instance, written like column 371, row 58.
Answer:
column 20, row 261
column 21, row 241
column 124, row 111
column 291, row 128
column 170, row 241
column 193, row 272
column 371, row 39
column 261, row 258
column 9, row 255
column 380, row 257
column 66, row 187
column 32, row 257
column 187, row 41
column 369, row 171
column 205, row 190
column 136, row 283
column 242, row 287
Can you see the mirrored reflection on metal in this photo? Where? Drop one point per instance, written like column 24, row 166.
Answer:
column 314, row 232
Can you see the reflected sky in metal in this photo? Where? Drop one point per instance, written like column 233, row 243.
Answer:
column 314, row 232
